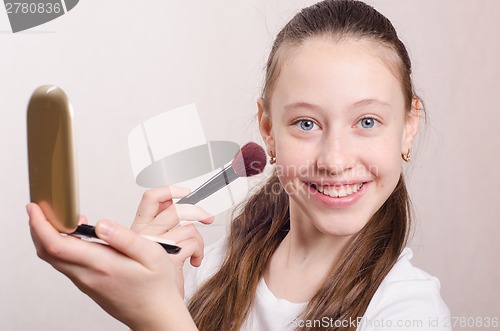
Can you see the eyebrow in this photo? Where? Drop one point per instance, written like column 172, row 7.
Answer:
column 357, row 104
column 298, row 105
column 371, row 101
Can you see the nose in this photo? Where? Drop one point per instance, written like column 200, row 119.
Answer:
column 334, row 155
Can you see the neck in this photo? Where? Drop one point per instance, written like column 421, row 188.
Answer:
column 306, row 245
column 301, row 262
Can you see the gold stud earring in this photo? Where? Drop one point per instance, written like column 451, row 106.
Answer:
column 406, row 157
column 272, row 158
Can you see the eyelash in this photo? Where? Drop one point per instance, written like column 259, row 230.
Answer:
column 297, row 123
column 375, row 122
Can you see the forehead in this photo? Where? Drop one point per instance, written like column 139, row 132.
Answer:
column 336, row 74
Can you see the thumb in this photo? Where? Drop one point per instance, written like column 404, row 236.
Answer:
column 129, row 243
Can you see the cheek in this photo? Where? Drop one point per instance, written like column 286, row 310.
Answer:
column 292, row 165
column 292, row 152
column 383, row 158
column 294, row 161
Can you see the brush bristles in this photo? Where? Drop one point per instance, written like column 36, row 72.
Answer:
column 250, row 160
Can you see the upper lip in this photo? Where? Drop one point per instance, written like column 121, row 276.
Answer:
column 340, row 183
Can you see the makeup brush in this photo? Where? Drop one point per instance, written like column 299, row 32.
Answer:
column 250, row 161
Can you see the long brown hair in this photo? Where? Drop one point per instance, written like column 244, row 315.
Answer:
column 224, row 300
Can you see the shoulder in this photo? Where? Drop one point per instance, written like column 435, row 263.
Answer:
column 408, row 298
column 194, row 277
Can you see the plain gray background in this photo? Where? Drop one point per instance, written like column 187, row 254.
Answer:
column 122, row 62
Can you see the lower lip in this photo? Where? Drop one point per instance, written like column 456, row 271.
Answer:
column 341, row 202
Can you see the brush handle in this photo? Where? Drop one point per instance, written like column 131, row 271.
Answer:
column 223, row 178
column 87, row 232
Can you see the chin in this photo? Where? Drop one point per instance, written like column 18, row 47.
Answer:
column 342, row 228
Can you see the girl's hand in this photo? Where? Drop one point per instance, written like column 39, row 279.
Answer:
column 158, row 216
column 133, row 279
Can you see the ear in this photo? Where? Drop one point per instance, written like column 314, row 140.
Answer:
column 412, row 122
column 265, row 126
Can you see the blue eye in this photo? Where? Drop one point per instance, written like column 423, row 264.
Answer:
column 305, row 125
column 368, row 122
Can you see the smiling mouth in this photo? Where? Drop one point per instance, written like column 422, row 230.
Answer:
column 338, row 192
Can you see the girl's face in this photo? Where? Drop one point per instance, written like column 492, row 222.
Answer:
column 338, row 125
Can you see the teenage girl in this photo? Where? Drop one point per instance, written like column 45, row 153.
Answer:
column 321, row 244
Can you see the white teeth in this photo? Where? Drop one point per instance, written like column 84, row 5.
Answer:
column 343, row 192
column 349, row 190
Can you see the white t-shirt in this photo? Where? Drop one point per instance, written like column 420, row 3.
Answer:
column 407, row 299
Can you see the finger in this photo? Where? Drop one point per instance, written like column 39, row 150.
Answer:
column 187, row 213
column 183, row 232
column 45, row 236
column 156, row 200
column 51, row 246
column 131, row 244
column 171, row 216
column 191, row 249
column 208, row 220
column 83, row 220
column 36, row 220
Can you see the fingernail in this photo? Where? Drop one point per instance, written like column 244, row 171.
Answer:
column 28, row 208
column 208, row 220
column 104, row 229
